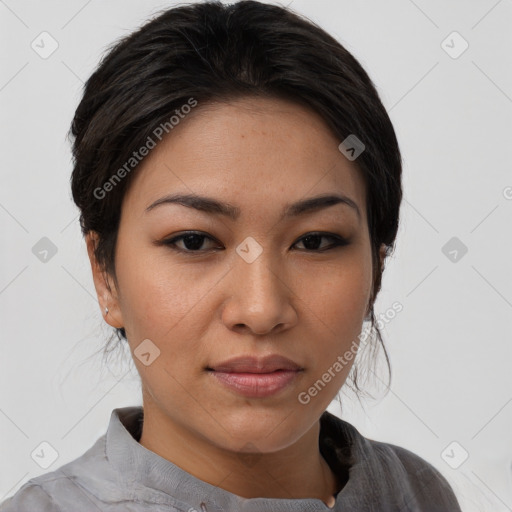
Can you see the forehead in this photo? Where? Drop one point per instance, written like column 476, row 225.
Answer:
column 252, row 152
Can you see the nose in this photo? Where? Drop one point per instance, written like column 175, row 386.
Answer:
column 261, row 298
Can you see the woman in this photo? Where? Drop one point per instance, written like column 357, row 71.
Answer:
column 212, row 147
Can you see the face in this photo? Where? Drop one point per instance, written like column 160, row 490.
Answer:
column 265, row 279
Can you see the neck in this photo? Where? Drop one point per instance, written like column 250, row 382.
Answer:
column 298, row 471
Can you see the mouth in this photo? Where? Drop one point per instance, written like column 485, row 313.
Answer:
column 256, row 377
column 256, row 365
column 252, row 370
column 256, row 384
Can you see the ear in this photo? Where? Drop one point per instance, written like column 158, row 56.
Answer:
column 382, row 257
column 104, row 284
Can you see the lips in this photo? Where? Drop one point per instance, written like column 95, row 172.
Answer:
column 252, row 364
column 255, row 377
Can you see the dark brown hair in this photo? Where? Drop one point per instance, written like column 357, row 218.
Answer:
column 215, row 52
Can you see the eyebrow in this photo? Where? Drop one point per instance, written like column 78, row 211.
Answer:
column 213, row 206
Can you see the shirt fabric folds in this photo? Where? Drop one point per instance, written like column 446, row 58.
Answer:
column 117, row 474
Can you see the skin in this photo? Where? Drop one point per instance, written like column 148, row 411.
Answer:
column 202, row 308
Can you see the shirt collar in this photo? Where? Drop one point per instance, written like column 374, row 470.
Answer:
column 150, row 478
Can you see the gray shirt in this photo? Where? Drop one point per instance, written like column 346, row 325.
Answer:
column 117, row 474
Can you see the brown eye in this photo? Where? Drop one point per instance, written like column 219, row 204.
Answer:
column 312, row 241
column 192, row 242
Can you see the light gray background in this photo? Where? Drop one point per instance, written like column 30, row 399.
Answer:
column 450, row 346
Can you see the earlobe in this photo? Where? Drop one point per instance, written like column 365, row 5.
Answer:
column 107, row 298
column 111, row 316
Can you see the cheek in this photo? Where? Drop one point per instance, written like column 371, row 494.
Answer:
column 162, row 302
column 336, row 301
column 338, row 294
column 154, row 295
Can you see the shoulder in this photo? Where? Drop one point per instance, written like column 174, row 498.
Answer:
column 423, row 485
column 395, row 456
column 30, row 496
column 73, row 485
column 390, row 475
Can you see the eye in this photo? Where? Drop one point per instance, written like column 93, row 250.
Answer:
column 193, row 241
column 312, row 241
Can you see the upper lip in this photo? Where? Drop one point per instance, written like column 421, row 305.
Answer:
column 253, row 364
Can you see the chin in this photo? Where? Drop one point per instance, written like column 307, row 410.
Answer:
column 253, row 430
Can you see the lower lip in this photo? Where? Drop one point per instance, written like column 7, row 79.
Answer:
column 257, row 385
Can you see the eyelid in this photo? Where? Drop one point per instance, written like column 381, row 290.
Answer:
column 339, row 241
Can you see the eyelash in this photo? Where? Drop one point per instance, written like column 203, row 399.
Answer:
column 171, row 242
